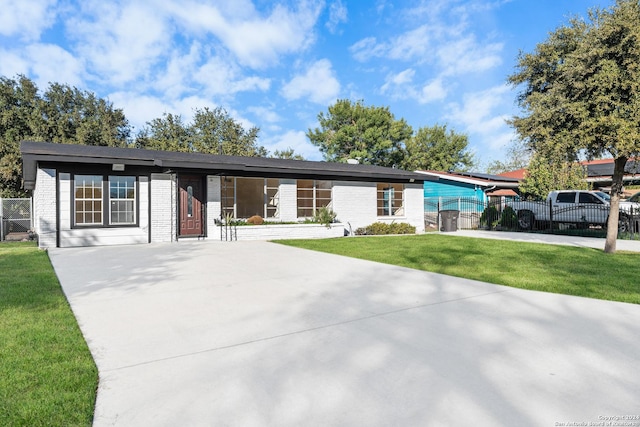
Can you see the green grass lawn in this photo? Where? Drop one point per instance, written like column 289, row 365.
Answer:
column 549, row 268
column 47, row 375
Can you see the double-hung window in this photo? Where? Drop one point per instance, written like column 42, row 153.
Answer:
column 122, row 200
column 390, row 199
column 88, row 200
column 104, row 201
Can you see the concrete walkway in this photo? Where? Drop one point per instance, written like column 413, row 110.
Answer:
column 260, row 334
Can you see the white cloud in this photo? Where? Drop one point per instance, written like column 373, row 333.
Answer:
column 408, row 46
column 399, row 85
column 467, row 56
column 265, row 114
column 175, row 79
column 13, row 63
column 433, row 91
column 139, row 108
column 403, row 77
column 223, row 77
column 26, row 19
column 50, row 63
column 444, row 41
column 478, row 107
column 367, row 48
column 120, row 42
column 412, row 44
column 337, row 15
column 318, row 83
column 402, row 86
column 255, row 40
column 482, row 113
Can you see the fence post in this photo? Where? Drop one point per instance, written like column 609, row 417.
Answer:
column 1, row 219
column 550, row 214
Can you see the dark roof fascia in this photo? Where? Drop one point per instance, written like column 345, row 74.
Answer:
column 29, row 166
column 501, row 182
column 34, row 152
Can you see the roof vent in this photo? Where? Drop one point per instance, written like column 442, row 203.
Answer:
column 353, row 161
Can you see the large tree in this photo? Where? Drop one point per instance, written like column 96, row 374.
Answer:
column 435, row 148
column 581, row 91
column 212, row 131
column 368, row 134
column 62, row 114
column 550, row 172
column 289, row 154
column 518, row 156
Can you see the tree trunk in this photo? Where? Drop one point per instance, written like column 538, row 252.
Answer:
column 614, row 209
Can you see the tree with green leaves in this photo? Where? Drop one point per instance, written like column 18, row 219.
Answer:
column 62, row 114
column 368, row 134
column 518, row 156
column 289, row 154
column 546, row 173
column 580, row 91
column 435, row 148
column 211, row 131
column 166, row 133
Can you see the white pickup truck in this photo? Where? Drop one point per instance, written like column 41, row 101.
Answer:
column 575, row 207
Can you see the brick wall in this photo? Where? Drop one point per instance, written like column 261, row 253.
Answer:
column 356, row 205
column 44, row 207
column 287, row 231
column 214, row 205
column 163, row 211
column 288, row 200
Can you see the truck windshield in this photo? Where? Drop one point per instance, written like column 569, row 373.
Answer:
column 603, row 196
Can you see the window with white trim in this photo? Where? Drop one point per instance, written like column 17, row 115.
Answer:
column 312, row 195
column 104, row 201
column 390, row 199
column 122, row 200
column 88, row 199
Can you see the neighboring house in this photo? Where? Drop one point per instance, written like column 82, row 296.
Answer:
column 474, row 185
column 467, row 192
column 88, row 195
column 599, row 173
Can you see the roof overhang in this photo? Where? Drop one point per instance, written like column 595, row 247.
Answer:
column 511, row 183
column 34, row 153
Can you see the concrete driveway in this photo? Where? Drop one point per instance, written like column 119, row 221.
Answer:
column 260, row 334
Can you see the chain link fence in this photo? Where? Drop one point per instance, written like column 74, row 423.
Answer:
column 16, row 218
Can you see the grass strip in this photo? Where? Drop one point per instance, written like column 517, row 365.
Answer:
column 549, row 268
column 47, row 374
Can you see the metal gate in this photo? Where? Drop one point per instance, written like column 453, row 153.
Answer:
column 16, row 218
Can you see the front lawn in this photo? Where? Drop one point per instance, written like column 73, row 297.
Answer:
column 47, row 375
column 549, row 268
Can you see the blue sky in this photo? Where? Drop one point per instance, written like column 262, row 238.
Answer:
column 277, row 64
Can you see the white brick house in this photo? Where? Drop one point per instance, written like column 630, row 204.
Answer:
column 86, row 195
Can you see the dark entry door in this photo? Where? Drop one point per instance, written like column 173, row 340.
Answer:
column 191, row 206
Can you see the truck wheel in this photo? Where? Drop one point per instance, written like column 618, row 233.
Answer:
column 526, row 220
column 623, row 224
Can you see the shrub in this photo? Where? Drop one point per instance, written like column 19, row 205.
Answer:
column 255, row 220
column 381, row 228
column 324, row 216
column 509, row 218
column 489, row 217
